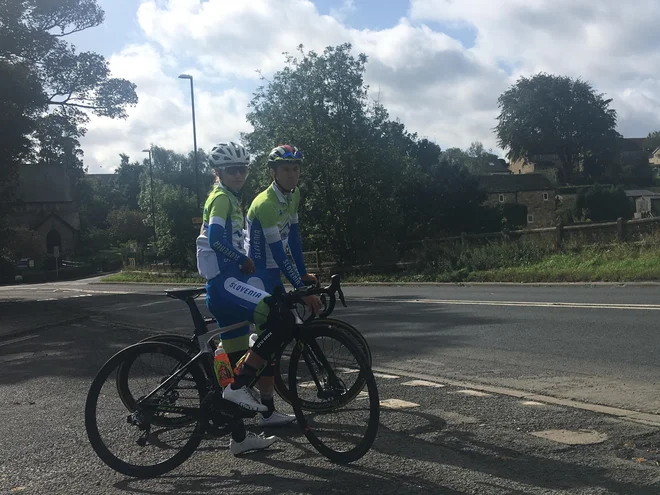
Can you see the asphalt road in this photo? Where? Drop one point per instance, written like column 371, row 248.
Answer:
column 595, row 345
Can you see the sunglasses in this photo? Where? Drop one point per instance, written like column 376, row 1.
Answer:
column 236, row 168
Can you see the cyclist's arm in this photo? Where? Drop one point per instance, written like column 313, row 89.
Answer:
column 295, row 246
column 268, row 218
column 217, row 239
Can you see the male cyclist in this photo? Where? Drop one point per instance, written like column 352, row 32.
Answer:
column 273, row 223
column 272, row 227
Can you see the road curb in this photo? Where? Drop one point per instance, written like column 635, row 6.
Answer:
column 648, row 419
column 435, row 284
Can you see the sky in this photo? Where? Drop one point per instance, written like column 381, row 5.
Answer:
column 437, row 65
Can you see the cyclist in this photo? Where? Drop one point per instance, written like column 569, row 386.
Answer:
column 221, row 260
column 272, row 226
column 273, row 223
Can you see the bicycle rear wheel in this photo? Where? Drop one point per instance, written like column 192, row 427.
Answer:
column 157, row 434
column 346, row 427
column 329, row 345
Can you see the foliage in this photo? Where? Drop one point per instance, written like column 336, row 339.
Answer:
column 366, row 178
column 603, row 204
column 548, row 114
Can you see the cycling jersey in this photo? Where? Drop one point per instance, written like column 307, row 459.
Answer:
column 220, row 243
column 272, row 226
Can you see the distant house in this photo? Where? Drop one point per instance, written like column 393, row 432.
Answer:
column 549, row 164
column 46, row 204
column 498, row 166
column 535, row 191
column 654, row 161
column 647, row 206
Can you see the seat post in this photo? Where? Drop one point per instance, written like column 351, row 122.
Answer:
column 198, row 319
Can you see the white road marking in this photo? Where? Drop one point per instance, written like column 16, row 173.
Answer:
column 397, row 404
column 153, row 303
column 386, row 376
column 18, row 339
column 525, row 304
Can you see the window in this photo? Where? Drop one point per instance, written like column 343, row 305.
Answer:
column 530, row 218
column 501, row 198
column 546, row 196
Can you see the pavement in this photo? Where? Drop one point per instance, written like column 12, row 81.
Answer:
column 484, row 389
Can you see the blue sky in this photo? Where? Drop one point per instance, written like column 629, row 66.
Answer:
column 438, row 65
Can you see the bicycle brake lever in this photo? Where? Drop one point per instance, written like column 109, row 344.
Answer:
column 341, row 297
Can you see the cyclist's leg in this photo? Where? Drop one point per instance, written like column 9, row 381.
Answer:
column 261, row 280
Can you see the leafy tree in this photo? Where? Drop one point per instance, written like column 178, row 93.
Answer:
column 174, row 207
column 555, row 114
column 52, row 73
column 603, row 204
column 128, row 225
column 127, row 177
column 354, row 153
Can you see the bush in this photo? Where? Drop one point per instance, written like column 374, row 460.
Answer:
column 603, row 204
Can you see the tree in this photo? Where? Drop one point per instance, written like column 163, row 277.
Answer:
column 126, row 225
column 558, row 115
column 54, row 75
column 353, row 152
column 603, row 204
column 128, row 182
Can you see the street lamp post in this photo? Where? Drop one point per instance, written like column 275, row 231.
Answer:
column 151, row 186
column 192, row 102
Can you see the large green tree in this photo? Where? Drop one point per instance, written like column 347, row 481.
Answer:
column 557, row 115
column 48, row 88
column 353, row 152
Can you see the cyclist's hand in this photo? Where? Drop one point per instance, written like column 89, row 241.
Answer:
column 310, row 279
column 314, row 302
column 248, row 266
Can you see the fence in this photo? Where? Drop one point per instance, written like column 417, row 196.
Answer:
column 559, row 237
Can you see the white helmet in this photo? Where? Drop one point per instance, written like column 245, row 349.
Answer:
column 229, row 154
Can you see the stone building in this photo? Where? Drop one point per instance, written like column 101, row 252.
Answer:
column 46, row 204
column 535, row 191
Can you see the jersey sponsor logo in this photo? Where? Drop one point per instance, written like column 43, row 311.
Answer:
column 244, row 291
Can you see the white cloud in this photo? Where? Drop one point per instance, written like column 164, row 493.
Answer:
column 438, row 87
column 163, row 115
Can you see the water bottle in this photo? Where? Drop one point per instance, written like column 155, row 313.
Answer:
column 239, row 365
column 222, row 367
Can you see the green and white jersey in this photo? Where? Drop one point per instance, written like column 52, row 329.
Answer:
column 221, row 240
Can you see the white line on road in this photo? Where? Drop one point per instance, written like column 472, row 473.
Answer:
column 19, row 339
column 526, row 304
column 154, row 303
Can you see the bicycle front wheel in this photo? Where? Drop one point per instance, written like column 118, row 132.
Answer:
column 345, row 427
column 333, row 351
column 156, row 434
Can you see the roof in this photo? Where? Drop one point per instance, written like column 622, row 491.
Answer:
column 633, row 144
column 42, row 183
column 71, row 219
column 635, row 193
column 491, row 167
column 515, row 182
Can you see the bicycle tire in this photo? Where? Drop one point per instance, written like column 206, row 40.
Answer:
column 340, row 457
column 186, row 343
column 183, row 343
column 91, row 424
column 281, row 385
